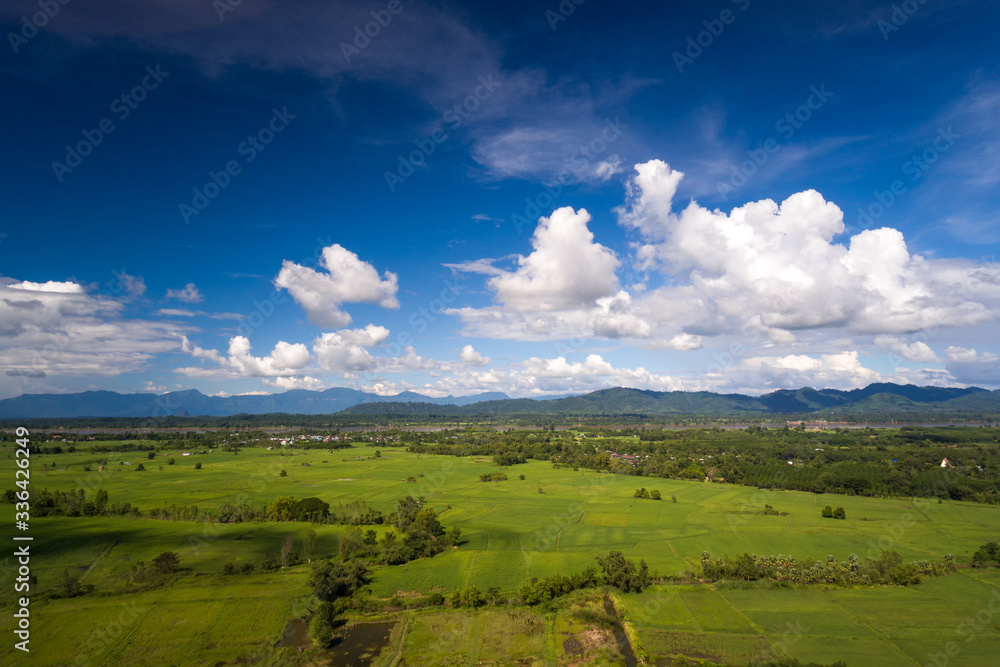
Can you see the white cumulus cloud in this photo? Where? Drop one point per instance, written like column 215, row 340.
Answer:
column 566, row 269
column 470, row 357
column 188, row 294
column 346, row 279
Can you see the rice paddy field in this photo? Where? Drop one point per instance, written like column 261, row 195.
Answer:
column 552, row 521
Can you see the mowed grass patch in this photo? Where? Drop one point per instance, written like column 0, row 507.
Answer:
column 447, row 572
column 956, row 650
column 717, row 648
column 191, row 622
column 712, row 613
column 462, row 637
column 659, row 608
column 853, row 651
column 497, row 568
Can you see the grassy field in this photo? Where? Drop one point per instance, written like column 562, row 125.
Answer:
column 555, row 520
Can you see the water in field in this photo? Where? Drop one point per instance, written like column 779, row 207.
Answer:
column 359, row 645
column 624, row 647
column 296, row 634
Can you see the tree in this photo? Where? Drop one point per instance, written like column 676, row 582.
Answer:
column 987, row 554
column 621, row 573
column 471, row 597
column 827, row 512
column 286, row 549
column 839, row 513
column 151, row 456
column 455, row 536
column 281, row 508
column 283, row 473
column 331, row 580
column 170, row 462
column 406, row 512
column 311, row 509
column 309, row 546
column 69, row 584
column 350, row 543
column 197, row 466
column 654, row 494
column 323, row 623
column 378, row 454
column 140, row 468
column 427, row 521
column 493, row 594
column 166, row 562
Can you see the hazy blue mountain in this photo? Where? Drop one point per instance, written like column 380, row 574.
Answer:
column 193, row 402
column 870, row 402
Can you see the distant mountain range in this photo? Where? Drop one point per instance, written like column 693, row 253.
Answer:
column 194, row 403
column 873, row 401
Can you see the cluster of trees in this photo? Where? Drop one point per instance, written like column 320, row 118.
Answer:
column 493, row 477
column 901, row 462
column 471, row 597
column 312, row 509
column 155, row 571
column 286, row 556
column 888, row 568
column 540, row 591
column 987, row 554
column 509, row 458
column 643, row 493
column 72, row 503
column 615, row 570
column 332, row 583
column 830, row 513
column 418, row 534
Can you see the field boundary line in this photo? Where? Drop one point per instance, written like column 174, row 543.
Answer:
column 885, row 637
column 137, row 623
column 694, row 619
column 739, row 613
column 402, row 638
column 104, row 552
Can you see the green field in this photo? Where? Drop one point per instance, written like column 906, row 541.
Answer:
column 553, row 521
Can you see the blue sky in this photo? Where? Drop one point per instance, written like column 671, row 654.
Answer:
column 528, row 197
